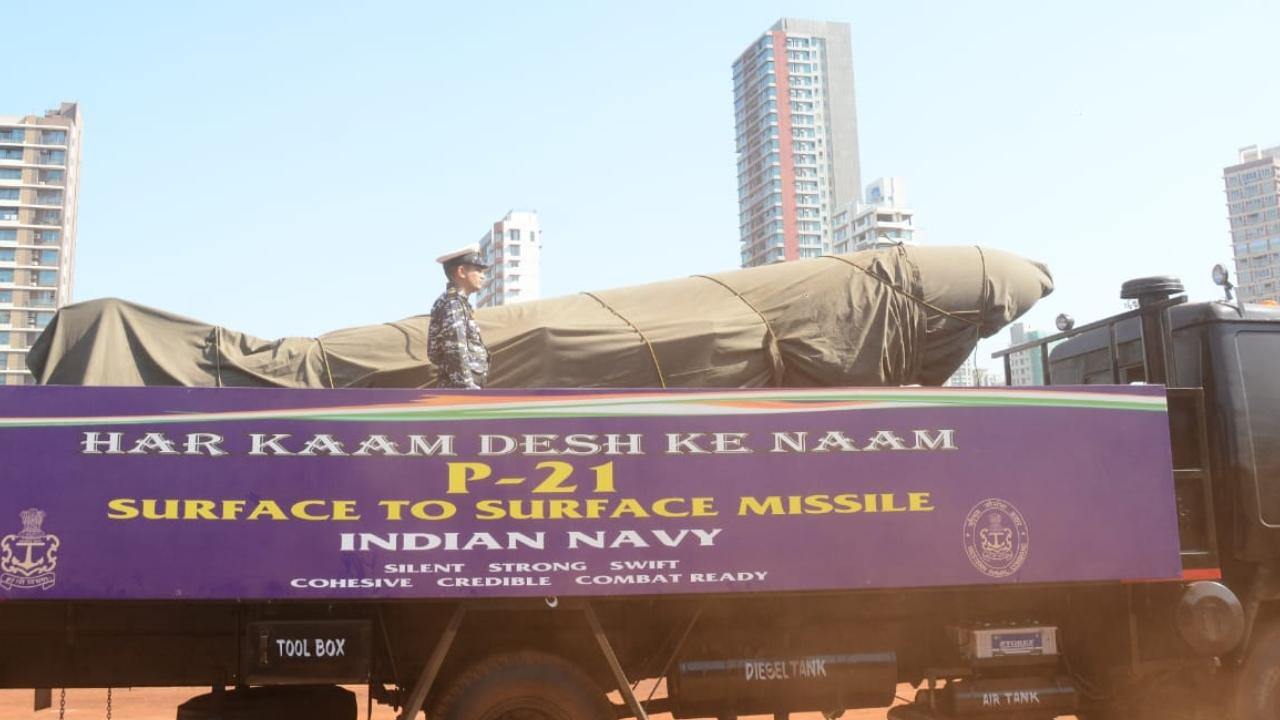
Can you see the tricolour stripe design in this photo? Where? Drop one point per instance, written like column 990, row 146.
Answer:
column 490, row 406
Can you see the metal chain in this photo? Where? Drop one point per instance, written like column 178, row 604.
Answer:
column 108, row 703
column 62, row 704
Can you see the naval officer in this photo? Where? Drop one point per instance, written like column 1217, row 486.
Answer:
column 454, row 344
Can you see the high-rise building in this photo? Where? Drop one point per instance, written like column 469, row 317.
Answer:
column 513, row 249
column 881, row 217
column 797, row 139
column 1253, row 186
column 1025, row 368
column 965, row 375
column 39, row 177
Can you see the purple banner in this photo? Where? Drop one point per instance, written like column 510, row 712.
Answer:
column 250, row 493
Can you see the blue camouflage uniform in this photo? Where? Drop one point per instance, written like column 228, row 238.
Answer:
column 454, row 344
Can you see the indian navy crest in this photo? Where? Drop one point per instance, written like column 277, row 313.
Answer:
column 27, row 559
column 996, row 538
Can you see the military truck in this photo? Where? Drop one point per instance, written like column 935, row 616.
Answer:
column 1218, row 361
column 1090, row 547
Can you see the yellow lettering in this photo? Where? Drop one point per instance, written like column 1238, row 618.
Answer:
column 199, row 510
column 771, row 505
column 433, row 510
column 704, row 507
column 604, row 477
column 889, row 503
column 817, row 504
column 394, row 508
column 299, row 510
column 345, row 510
column 554, row 482
column 151, row 510
column 919, row 502
column 561, row 509
column 847, row 503
column 629, row 507
column 661, row 509
column 268, row 508
column 122, row 509
column 461, row 473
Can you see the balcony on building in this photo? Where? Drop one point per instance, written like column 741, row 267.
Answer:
column 51, row 198
column 42, row 278
column 55, row 158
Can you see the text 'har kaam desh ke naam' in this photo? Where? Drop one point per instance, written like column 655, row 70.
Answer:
column 548, row 480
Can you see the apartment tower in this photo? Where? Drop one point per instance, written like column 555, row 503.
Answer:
column 1026, row 367
column 882, row 217
column 797, row 139
column 513, row 249
column 39, row 176
column 1253, row 209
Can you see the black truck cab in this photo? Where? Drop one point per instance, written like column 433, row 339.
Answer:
column 1220, row 361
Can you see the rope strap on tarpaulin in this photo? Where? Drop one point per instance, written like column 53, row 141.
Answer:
column 217, row 358
column 217, row 355
column 777, row 367
column 643, row 338
column 982, row 293
column 324, row 359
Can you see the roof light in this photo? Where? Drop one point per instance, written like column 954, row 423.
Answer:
column 1222, row 278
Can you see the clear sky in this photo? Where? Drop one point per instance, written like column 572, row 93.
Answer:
column 293, row 168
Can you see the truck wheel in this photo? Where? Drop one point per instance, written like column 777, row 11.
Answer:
column 1258, row 680
column 277, row 702
column 524, row 685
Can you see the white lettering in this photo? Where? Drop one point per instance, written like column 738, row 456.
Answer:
column 419, row 445
column 261, row 444
column 497, row 444
column 885, row 439
column 943, row 440
column 682, row 443
column 380, row 444
column 93, row 444
column 323, row 443
column 209, row 443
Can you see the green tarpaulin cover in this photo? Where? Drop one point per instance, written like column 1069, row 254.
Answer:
column 894, row 316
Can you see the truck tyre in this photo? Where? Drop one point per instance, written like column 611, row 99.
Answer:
column 276, row 702
column 1257, row 687
column 525, row 685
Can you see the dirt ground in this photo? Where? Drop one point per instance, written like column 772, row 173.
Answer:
column 162, row 703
